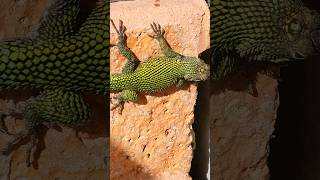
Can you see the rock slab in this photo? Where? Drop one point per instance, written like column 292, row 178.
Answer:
column 241, row 126
column 152, row 139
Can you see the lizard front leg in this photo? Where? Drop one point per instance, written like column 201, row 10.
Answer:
column 165, row 48
column 129, row 67
column 132, row 60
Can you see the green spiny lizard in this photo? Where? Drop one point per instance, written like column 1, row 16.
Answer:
column 154, row 74
column 63, row 61
column 260, row 31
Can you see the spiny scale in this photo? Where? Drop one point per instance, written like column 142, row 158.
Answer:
column 150, row 76
column 58, row 106
column 233, row 21
column 76, row 61
column 258, row 30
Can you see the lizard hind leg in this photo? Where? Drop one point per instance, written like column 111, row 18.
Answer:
column 52, row 106
column 29, row 133
column 124, row 96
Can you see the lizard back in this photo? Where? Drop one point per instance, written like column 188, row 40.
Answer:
column 259, row 30
column 156, row 74
column 75, row 61
column 150, row 76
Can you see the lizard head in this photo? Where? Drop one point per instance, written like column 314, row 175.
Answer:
column 303, row 29
column 195, row 69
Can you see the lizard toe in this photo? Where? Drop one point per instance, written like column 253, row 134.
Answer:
column 3, row 127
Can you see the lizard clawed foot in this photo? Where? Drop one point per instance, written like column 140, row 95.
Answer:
column 273, row 72
column 120, row 31
column 124, row 96
column 157, row 30
column 20, row 138
column 252, row 90
column 119, row 104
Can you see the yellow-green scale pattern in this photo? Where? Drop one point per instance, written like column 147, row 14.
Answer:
column 57, row 105
column 78, row 61
column 63, row 65
column 151, row 76
column 253, row 20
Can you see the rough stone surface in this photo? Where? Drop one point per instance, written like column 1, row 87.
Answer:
column 241, row 126
column 152, row 139
column 20, row 18
column 61, row 155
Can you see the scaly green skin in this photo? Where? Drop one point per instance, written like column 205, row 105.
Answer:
column 154, row 74
column 74, row 62
column 259, row 31
column 63, row 61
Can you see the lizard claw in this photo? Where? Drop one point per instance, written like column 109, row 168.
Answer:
column 157, row 29
column 120, row 31
column 117, row 104
column 273, row 72
column 18, row 139
column 12, row 143
column 31, row 145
